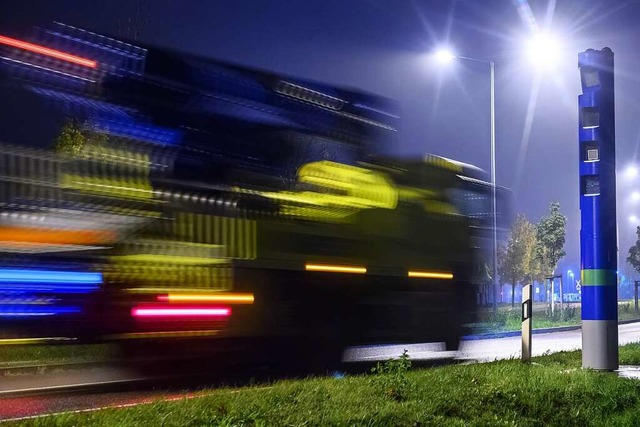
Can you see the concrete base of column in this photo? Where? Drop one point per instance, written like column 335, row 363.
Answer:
column 600, row 345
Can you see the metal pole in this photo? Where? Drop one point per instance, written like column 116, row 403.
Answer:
column 561, row 297
column 553, row 289
column 494, row 210
column 635, row 296
column 493, row 185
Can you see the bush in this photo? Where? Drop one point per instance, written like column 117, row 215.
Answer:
column 625, row 307
column 391, row 377
column 570, row 313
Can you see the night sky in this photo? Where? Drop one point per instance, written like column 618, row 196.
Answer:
column 382, row 46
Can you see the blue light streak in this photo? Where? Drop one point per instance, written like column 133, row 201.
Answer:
column 23, row 310
column 45, row 287
column 141, row 131
column 19, row 276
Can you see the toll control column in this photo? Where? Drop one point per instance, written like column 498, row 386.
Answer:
column 598, row 242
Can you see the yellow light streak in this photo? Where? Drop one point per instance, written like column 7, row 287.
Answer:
column 430, row 274
column 222, row 298
column 20, row 341
column 169, row 259
column 132, row 189
column 336, row 268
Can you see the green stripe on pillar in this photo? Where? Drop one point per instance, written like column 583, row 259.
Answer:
column 599, row 278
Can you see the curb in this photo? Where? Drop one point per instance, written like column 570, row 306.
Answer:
column 506, row 334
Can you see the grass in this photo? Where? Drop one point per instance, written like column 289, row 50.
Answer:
column 553, row 391
column 508, row 318
column 35, row 354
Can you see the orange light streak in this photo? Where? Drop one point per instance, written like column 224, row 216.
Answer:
column 56, row 236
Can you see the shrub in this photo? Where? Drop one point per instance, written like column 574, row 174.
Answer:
column 625, row 307
column 391, row 376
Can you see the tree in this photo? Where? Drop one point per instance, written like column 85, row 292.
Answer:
column 515, row 260
column 536, row 270
column 506, row 268
column 634, row 253
column 550, row 233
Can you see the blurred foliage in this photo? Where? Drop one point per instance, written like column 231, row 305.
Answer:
column 76, row 138
column 71, row 139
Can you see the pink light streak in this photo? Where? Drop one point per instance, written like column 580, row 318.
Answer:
column 176, row 312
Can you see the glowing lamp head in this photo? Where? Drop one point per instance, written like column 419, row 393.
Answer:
column 544, row 49
column 444, row 56
column 633, row 218
column 631, row 172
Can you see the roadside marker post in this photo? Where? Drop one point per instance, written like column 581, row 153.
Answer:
column 527, row 310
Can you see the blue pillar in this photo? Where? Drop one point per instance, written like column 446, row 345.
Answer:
column 598, row 245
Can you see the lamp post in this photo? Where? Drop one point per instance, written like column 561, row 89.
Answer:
column 446, row 56
column 494, row 210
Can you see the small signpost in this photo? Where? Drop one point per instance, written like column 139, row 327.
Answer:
column 527, row 309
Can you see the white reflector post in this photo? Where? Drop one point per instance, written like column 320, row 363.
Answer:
column 527, row 309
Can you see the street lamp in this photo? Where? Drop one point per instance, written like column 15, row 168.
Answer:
column 631, row 172
column 445, row 56
column 544, row 49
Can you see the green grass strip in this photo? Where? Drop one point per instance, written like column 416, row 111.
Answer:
column 38, row 354
column 552, row 391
